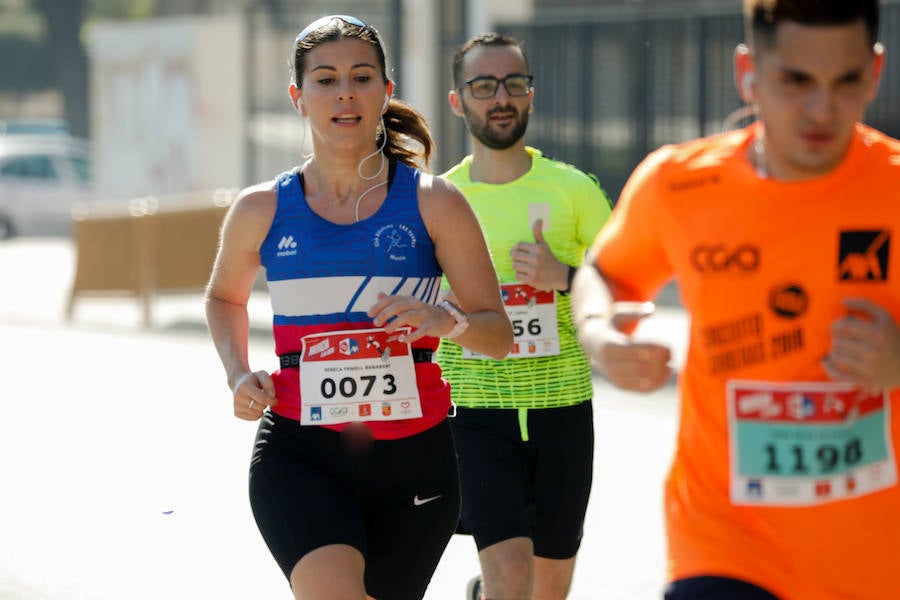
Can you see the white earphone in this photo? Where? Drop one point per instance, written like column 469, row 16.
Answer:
column 384, row 106
column 747, row 84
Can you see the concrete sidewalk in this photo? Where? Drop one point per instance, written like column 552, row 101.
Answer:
column 125, row 472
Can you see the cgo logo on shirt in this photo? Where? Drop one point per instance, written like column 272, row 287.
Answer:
column 719, row 258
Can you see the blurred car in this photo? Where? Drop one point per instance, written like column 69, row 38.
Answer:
column 42, row 179
column 35, row 125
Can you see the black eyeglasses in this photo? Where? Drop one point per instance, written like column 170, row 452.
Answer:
column 323, row 21
column 486, row 86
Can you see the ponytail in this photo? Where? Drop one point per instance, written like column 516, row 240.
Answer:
column 408, row 138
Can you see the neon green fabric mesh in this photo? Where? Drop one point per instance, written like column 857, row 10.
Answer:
column 542, row 382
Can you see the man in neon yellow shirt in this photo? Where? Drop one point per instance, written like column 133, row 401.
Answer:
column 524, row 425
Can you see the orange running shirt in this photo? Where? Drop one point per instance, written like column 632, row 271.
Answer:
column 781, row 477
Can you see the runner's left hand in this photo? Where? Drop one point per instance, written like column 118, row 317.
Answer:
column 536, row 265
column 865, row 347
column 393, row 312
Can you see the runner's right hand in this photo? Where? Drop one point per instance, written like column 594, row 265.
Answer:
column 252, row 393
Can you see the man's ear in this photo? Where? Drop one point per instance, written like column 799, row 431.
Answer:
column 455, row 101
column 745, row 73
column 877, row 67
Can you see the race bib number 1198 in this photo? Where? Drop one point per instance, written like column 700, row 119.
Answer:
column 799, row 444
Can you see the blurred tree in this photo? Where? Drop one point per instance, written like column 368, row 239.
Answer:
column 64, row 22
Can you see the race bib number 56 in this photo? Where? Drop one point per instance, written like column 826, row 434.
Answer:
column 800, row 444
column 532, row 313
column 357, row 375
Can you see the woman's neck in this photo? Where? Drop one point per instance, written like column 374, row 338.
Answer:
column 335, row 186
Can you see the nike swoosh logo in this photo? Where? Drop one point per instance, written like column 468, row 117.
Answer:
column 420, row 501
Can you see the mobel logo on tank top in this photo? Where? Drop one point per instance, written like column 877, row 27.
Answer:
column 864, row 255
column 287, row 246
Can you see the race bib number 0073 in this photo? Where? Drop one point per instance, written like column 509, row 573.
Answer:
column 357, row 375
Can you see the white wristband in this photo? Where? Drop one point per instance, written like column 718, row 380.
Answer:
column 462, row 321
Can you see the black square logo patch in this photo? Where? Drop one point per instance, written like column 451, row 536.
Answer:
column 863, row 255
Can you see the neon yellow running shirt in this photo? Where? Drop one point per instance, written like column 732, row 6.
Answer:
column 578, row 207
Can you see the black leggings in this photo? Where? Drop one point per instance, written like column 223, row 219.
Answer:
column 397, row 503
column 537, row 489
column 715, row 588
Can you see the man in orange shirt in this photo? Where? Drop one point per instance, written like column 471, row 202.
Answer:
column 784, row 480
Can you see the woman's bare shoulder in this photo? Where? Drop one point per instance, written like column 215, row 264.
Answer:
column 439, row 193
column 251, row 214
column 258, row 200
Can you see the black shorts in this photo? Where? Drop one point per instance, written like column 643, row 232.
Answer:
column 538, row 488
column 715, row 588
column 397, row 503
